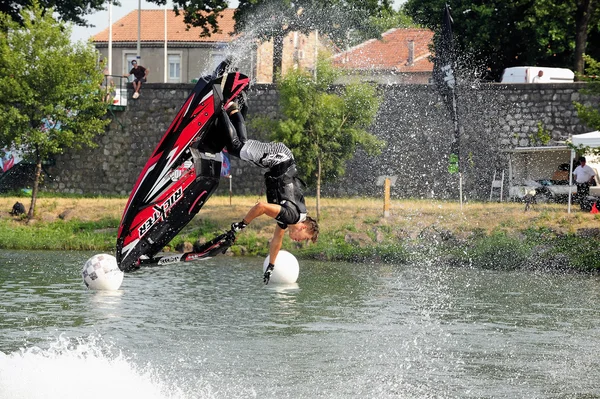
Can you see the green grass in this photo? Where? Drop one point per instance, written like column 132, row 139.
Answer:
column 59, row 235
column 498, row 251
column 48, row 194
column 485, row 235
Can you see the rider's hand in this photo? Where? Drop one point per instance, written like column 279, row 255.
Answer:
column 238, row 226
column 267, row 275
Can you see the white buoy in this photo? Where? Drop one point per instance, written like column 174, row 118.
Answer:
column 286, row 269
column 101, row 272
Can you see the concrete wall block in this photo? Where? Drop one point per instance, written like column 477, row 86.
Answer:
column 531, row 122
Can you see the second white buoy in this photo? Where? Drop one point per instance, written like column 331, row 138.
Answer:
column 286, row 268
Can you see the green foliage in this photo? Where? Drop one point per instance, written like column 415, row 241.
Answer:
column 44, row 77
column 590, row 115
column 498, row 251
column 324, row 127
column 542, row 135
column 48, row 194
column 50, row 97
column 59, row 235
column 581, row 252
column 67, row 10
column 592, row 71
column 498, row 34
column 388, row 19
column 200, row 13
column 371, row 220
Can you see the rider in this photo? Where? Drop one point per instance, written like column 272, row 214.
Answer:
column 285, row 201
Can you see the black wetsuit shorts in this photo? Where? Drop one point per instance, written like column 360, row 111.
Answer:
column 287, row 215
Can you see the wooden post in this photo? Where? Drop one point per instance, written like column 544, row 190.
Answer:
column 386, row 197
column 230, row 190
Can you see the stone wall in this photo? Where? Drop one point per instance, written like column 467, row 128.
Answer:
column 417, row 127
column 113, row 166
column 413, row 121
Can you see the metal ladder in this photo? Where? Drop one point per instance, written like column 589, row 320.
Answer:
column 497, row 184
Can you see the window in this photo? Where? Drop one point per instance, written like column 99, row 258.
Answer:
column 216, row 58
column 174, row 68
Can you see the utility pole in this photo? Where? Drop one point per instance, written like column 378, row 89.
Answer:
column 138, row 56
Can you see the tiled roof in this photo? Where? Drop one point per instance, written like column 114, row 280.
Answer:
column 152, row 28
column 391, row 53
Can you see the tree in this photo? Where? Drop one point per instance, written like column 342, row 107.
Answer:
column 387, row 19
column 337, row 19
column 583, row 16
column 590, row 115
column 498, row 34
column 323, row 127
column 68, row 11
column 199, row 13
column 50, row 96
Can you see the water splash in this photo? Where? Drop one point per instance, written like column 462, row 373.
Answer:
column 85, row 368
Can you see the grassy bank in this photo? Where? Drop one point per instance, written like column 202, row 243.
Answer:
column 488, row 235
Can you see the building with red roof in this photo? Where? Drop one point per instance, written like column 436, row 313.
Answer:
column 189, row 54
column 400, row 56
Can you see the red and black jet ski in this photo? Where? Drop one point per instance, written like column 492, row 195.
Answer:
column 181, row 175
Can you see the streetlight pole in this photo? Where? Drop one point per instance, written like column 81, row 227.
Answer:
column 110, row 37
column 138, row 56
column 166, row 55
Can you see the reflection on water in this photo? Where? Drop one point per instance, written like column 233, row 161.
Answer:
column 213, row 330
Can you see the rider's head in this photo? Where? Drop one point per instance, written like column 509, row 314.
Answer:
column 306, row 230
column 312, row 227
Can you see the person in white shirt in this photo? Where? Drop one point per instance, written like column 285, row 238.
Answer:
column 539, row 78
column 584, row 175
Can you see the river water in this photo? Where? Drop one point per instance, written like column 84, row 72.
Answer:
column 212, row 330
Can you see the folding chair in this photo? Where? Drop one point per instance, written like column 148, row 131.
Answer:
column 498, row 185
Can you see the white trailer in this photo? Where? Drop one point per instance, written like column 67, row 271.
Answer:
column 526, row 74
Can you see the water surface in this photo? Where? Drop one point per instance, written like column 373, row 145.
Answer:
column 212, row 330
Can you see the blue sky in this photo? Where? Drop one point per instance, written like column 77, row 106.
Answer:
column 100, row 19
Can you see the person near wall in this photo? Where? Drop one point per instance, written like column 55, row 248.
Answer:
column 539, row 78
column 140, row 75
column 584, row 176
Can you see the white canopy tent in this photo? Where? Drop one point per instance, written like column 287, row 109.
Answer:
column 592, row 140
column 527, row 166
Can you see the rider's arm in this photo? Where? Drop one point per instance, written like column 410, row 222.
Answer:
column 262, row 208
column 276, row 242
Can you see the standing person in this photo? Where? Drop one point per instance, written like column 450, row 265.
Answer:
column 285, row 201
column 584, row 175
column 141, row 74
